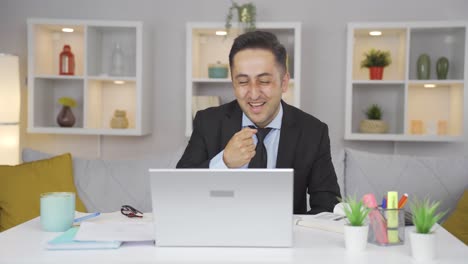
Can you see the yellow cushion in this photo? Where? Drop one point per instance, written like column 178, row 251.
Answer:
column 21, row 186
column 457, row 222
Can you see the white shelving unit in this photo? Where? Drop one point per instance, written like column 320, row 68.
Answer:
column 439, row 112
column 97, row 92
column 204, row 47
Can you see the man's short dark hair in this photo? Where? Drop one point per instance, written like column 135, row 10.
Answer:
column 259, row 40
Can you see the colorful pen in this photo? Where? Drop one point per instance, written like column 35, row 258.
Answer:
column 403, row 201
column 384, row 202
column 86, row 217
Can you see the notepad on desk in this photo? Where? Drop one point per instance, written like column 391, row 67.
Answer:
column 324, row 221
column 66, row 241
column 121, row 231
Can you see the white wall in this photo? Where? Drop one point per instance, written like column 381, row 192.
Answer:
column 323, row 61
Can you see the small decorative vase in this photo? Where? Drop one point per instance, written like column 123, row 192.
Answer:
column 442, row 67
column 218, row 70
column 423, row 246
column 376, row 73
column 119, row 120
column 355, row 237
column 424, row 67
column 65, row 117
column 67, row 61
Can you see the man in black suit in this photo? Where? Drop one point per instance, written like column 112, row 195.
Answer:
column 285, row 137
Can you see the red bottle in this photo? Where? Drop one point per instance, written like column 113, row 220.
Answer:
column 67, row 61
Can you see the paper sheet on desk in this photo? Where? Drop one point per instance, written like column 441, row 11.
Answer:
column 333, row 222
column 117, row 227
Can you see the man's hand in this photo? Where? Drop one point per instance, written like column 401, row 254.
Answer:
column 240, row 148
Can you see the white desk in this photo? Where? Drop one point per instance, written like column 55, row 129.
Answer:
column 25, row 244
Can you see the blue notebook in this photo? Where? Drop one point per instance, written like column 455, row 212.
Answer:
column 65, row 241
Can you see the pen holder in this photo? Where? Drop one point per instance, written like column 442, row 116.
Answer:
column 387, row 227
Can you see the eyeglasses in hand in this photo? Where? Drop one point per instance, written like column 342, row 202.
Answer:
column 131, row 212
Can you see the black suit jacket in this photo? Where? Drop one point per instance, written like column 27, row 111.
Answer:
column 304, row 146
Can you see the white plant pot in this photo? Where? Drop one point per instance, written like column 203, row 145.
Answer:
column 355, row 237
column 423, row 246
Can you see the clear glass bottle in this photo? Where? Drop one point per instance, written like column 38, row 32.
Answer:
column 117, row 61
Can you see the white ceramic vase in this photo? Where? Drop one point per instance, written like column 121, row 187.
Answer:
column 423, row 246
column 355, row 237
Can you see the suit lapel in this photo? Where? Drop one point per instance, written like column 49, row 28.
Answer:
column 231, row 124
column 289, row 136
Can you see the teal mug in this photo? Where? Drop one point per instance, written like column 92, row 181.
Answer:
column 57, row 211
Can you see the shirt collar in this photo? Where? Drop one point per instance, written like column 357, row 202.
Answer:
column 275, row 123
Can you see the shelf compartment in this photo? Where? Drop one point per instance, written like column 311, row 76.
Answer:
column 393, row 40
column 208, row 48
column 101, row 43
column 437, row 42
column 222, row 89
column 435, row 111
column 391, row 99
column 46, row 94
column 104, row 97
column 48, row 41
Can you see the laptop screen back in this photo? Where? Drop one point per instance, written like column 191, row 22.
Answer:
column 202, row 207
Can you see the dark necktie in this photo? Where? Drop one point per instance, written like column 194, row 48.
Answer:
column 260, row 158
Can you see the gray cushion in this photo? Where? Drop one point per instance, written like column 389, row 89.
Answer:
column 438, row 178
column 105, row 185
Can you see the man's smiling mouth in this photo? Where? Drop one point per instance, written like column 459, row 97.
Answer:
column 256, row 104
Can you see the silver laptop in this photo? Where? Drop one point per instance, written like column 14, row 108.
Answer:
column 202, row 207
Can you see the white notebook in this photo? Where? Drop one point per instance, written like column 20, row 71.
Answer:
column 66, row 241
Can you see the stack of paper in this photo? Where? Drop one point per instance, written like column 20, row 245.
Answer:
column 66, row 241
column 324, row 221
column 108, row 230
column 115, row 231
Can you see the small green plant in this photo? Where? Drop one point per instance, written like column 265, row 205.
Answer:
column 246, row 14
column 424, row 215
column 355, row 211
column 374, row 112
column 67, row 101
column 376, row 58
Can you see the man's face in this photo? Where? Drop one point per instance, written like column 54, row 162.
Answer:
column 258, row 84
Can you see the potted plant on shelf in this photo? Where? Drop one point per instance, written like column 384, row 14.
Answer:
column 246, row 16
column 423, row 245
column 376, row 61
column 373, row 123
column 356, row 230
column 65, row 117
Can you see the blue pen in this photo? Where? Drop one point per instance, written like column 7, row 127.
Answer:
column 384, row 203
column 86, row 217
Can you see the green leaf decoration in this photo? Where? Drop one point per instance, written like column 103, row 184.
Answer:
column 67, row 101
column 376, row 58
column 424, row 214
column 374, row 112
column 355, row 210
column 246, row 14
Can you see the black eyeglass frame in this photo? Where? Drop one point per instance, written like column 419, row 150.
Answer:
column 130, row 211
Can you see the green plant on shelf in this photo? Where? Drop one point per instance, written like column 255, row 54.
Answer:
column 376, row 58
column 246, row 15
column 374, row 112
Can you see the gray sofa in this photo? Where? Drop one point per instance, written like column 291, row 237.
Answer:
column 106, row 185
